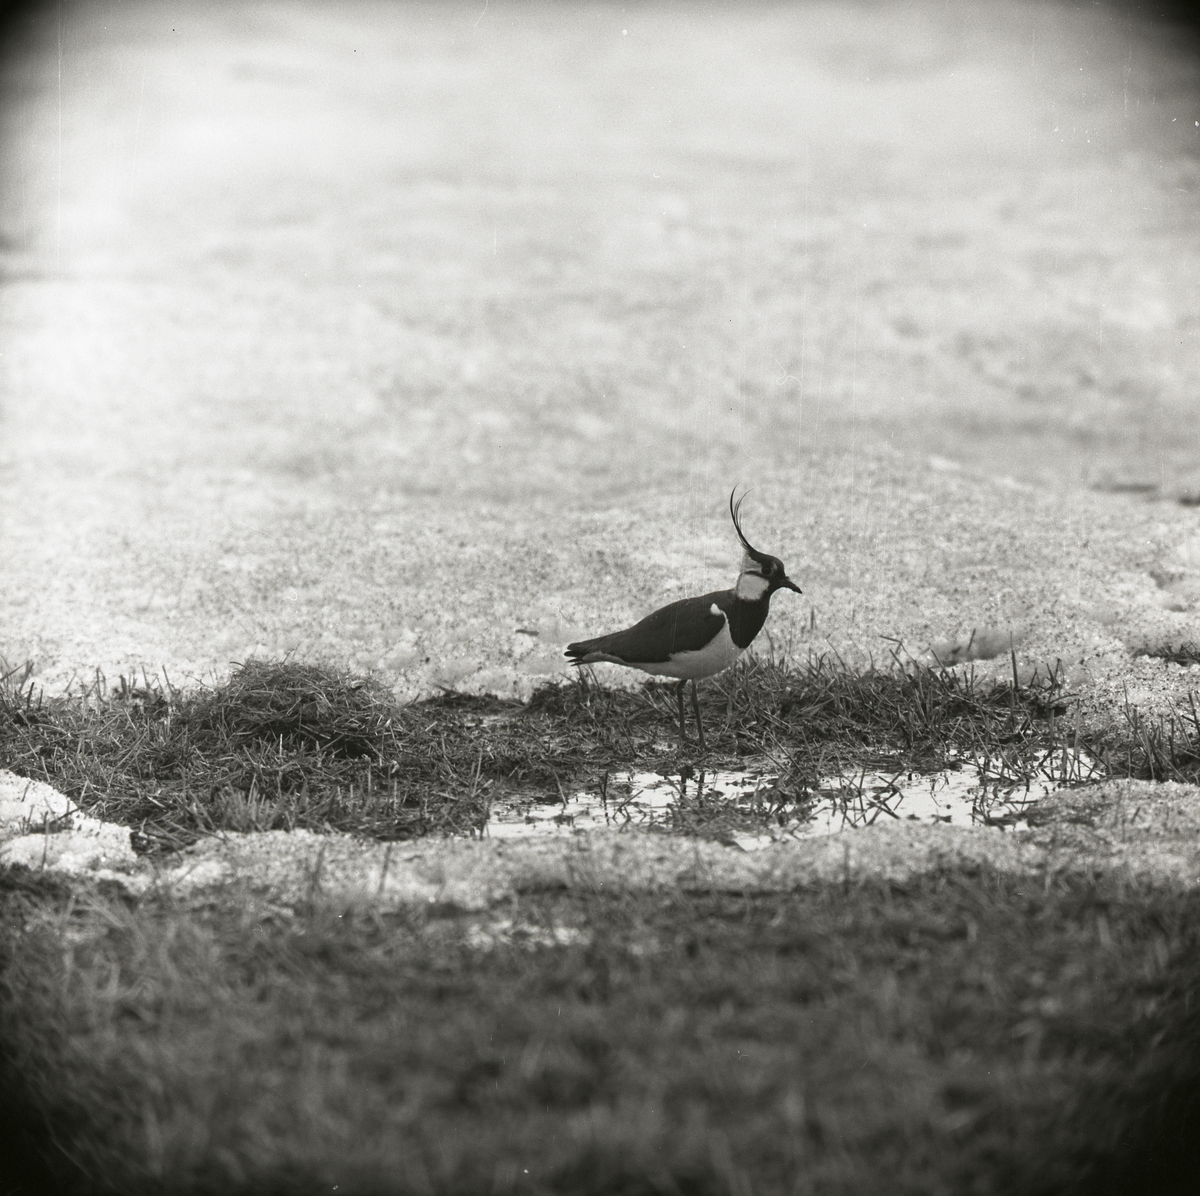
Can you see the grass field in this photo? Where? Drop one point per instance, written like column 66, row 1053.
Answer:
column 963, row 1032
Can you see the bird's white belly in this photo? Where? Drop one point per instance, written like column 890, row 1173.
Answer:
column 716, row 656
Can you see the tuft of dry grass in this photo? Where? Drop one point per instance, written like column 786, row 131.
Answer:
column 292, row 705
column 280, row 745
column 1164, row 748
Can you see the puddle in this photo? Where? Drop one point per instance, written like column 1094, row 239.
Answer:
column 639, row 799
column 962, row 795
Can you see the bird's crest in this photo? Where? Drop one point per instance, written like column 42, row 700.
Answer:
column 734, row 510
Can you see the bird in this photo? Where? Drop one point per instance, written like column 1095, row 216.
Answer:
column 696, row 637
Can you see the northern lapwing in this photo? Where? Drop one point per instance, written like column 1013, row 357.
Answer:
column 696, row 637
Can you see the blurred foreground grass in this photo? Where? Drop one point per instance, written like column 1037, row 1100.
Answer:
column 965, row 1032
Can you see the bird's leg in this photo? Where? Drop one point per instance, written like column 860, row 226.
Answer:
column 679, row 695
column 696, row 708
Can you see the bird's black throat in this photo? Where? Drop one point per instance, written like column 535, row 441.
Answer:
column 746, row 618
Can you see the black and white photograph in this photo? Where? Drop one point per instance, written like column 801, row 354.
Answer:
column 599, row 599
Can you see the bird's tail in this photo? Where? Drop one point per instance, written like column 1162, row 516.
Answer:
column 577, row 653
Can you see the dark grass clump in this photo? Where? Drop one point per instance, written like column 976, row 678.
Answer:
column 299, row 707
column 279, row 746
column 826, row 717
column 1161, row 748
column 963, row 1032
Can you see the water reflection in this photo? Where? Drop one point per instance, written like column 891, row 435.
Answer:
column 966, row 794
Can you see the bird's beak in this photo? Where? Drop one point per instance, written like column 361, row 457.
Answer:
column 788, row 584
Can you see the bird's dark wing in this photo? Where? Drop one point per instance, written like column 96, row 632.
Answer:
column 683, row 626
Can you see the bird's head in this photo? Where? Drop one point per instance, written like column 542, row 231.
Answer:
column 762, row 574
